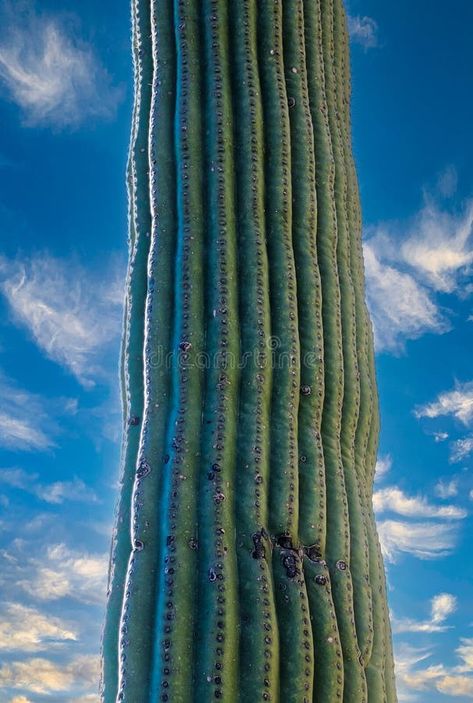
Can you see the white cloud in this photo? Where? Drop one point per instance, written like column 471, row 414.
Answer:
column 452, row 681
column 446, row 490
column 441, row 606
column 400, row 308
column 447, row 182
column 383, row 466
column 457, row 403
column 439, row 246
column 66, row 572
column 55, row 572
column 55, row 493
column 71, row 314
column 20, row 699
column 394, row 500
column 52, row 75
column 28, row 630
column 44, row 676
column 408, row 263
column 363, row 31
column 24, row 422
column 425, row 540
column 461, row 448
column 440, row 436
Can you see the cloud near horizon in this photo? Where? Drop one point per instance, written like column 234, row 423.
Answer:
column 50, row 72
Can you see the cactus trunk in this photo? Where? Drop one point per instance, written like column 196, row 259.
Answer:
column 245, row 563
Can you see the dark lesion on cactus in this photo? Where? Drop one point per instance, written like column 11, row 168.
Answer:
column 143, row 469
column 259, row 551
column 313, row 552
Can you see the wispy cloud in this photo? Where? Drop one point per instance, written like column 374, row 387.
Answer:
column 441, row 607
column 457, row 403
column 408, row 263
column 56, row 492
column 55, row 572
column 54, row 76
column 65, row 572
column 413, row 679
column 446, row 489
column 424, row 540
column 363, row 30
column 28, row 630
column 393, row 499
column 460, row 449
column 24, row 422
column 43, row 676
column 71, row 314
column 400, row 307
column 383, row 467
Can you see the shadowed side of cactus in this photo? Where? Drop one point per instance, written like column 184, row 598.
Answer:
column 245, row 563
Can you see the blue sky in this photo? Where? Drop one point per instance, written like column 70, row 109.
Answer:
column 65, row 99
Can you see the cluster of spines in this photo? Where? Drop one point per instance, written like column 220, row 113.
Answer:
column 246, row 563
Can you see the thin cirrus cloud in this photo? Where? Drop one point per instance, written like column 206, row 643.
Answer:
column 55, row 493
column 71, row 314
column 363, row 31
column 424, row 540
column 460, row 449
column 409, row 263
column 49, row 72
column 441, row 607
column 24, row 421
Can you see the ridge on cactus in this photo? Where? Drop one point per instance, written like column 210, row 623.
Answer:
column 245, row 562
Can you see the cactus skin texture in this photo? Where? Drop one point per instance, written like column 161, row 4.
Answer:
column 245, row 564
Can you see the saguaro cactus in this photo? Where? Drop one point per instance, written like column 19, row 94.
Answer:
column 245, row 563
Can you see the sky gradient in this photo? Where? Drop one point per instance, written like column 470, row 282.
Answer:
column 65, row 101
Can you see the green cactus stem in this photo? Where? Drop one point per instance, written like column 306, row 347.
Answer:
column 245, row 564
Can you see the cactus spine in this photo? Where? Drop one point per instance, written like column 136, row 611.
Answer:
column 245, row 562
